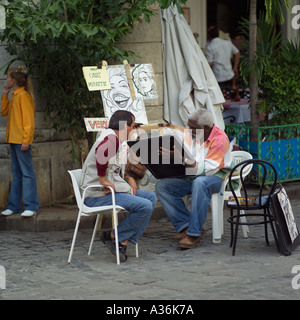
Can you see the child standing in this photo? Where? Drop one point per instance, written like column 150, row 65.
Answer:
column 19, row 134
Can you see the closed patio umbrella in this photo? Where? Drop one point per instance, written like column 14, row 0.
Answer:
column 189, row 82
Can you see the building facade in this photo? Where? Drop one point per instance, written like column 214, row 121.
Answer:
column 52, row 151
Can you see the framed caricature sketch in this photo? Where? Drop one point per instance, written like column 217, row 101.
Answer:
column 119, row 96
column 143, row 81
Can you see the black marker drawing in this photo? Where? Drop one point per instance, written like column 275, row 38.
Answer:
column 143, row 81
column 119, row 96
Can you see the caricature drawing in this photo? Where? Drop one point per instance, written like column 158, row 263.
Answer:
column 144, row 83
column 288, row 214
column 119, row 96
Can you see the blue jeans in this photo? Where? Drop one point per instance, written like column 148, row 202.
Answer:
column 24, row 183
column 170, row 192
column 140, row 209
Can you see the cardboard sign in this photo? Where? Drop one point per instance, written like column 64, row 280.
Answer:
column 96, row 124
column 96, row 78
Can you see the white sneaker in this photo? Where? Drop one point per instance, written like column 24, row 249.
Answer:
column 28, row 213
column 7, row 212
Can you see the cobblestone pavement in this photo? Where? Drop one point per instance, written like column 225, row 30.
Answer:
column 36, row 267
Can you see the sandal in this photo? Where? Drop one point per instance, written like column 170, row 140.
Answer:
column 189, row 242
column 111, row 245
column 105, row 236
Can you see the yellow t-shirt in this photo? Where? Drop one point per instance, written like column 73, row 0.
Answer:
column 20, row 123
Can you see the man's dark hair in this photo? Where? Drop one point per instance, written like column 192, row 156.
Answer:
column 213, row 32
column 120, row 116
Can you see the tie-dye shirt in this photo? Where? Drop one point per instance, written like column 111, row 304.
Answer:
column 213, row 155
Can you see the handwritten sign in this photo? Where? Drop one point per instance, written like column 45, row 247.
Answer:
column 96, row 124
column 96, row 78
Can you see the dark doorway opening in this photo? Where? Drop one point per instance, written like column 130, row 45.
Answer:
column 226, row 14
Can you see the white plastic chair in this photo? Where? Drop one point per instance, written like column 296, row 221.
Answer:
column 87, row 211
column 217, row 199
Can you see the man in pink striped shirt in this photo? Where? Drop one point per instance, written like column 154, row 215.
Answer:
column 213, row 160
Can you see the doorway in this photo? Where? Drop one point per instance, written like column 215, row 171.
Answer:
column 226, row 14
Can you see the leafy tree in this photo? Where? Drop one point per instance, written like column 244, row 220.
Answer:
column 55, row 38
column 273, row 14
column 280, row 93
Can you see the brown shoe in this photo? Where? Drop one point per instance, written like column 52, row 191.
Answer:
column 189, row 242
column 182, row 234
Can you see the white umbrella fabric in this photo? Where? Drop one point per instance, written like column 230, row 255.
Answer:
column 189, row 82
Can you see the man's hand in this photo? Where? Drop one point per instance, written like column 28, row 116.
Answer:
column 105, row 183
column 133, row 185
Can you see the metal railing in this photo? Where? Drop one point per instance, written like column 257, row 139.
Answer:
column 279, row 145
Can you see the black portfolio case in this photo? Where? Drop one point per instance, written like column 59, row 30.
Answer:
column 285, row 223
column 147, row 151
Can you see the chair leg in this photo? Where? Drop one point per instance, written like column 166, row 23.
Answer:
column 236, row 232
column 268, row 219
column 221, row 206
column 217, row 213
column 116, row 236
column 94, row 233
column 99, row 226
column 137, row 250
column 245, row 228
column 74, row 237
column 113, row 222
column 266, row 226
column 231, row 228
column 272, row 228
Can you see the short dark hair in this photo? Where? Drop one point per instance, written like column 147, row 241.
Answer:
column 213, row 32
column 120, row 116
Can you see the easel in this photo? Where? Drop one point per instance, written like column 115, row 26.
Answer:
column 128, row 75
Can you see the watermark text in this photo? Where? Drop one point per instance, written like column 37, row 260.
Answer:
column 296, row 19
column 2, row 278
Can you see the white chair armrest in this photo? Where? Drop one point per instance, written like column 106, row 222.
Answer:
column 91, row 187
column 99, row 186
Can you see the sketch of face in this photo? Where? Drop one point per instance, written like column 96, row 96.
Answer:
column 119, row 96
column 120, row 92
column 145, row 82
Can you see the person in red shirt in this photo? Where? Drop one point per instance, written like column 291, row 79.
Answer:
column 106, row 164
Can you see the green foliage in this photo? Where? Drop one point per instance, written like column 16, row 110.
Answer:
column 280, row 92
column 56, row 38
column 274, row 10
column 277, row 67
column 268, row 41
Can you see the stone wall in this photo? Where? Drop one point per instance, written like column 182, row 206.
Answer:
column 146, row 42
column 52, row 154
column 52, row 151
